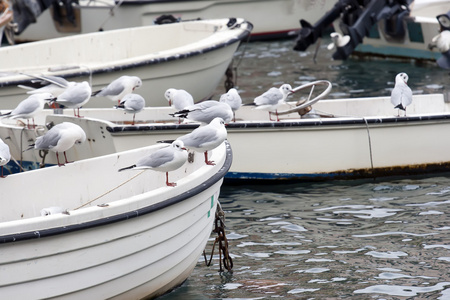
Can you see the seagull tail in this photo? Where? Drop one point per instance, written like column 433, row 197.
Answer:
column 249, row 104
column 166, row 141
column 181, row 114
column 25, row 87
column 400, row 106
column 94, row 93
column 5, row 114
column 29, row 147
column 51, row 100
column 127, row 168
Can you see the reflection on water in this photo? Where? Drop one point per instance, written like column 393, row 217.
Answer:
column 366, row 240
column 358, row 240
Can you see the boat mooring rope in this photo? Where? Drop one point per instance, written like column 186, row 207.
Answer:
column 229, row 83
column 221, row 239
column 370, row 143
column 111, row 190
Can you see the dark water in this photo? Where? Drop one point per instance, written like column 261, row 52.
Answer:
column 385, row 239
column 261, row 65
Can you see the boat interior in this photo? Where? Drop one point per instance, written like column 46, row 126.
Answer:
column 96, row 183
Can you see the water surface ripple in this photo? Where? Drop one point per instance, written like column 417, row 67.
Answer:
column 338, row 240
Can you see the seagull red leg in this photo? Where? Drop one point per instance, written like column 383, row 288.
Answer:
column 208, row 162
column 57, row 158
column 65, row 157
column 167, row 181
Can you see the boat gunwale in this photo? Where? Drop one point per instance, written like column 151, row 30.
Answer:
column 80, row 72
column 216, row 177
column 310, row 122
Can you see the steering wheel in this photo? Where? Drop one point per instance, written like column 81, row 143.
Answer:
column 310, row 101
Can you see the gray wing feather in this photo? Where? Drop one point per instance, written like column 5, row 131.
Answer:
column 198, row 137
column 156, row 159
column 111, row 90
column 48, row 141
column 271, row 97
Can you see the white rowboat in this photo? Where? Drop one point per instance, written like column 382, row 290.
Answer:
column 271, row 18
column 350, row 138
column 125, row 235
column 191, row 55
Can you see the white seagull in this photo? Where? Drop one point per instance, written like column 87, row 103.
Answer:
column 29, row 107
column 166, row 159
column 401, row 95
column 206, row 111
column 120, row 87
column 5, row 155
column 75, row 96
column 273, row 98
column 205, row 138
column 50, row 84
column 60, row 138
column 233, row 99
column 179, row 99
column 132, row 104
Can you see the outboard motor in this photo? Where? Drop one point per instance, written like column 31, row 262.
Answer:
column 357, row 18
column 26, row 12
column 442, row 41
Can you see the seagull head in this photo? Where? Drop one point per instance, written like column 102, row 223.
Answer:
column 402, row 77
column 178, row 145
column 168, row 95
column 286, row 89
column 137, row 83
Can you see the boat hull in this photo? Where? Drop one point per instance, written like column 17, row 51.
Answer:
column 419, row 34
column 129, row 248
column 380, row 144
column 271, row 18
column 195, row 63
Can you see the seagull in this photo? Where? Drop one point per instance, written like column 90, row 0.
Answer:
column 132, row 104
column 50, row 84
column 120, row 87
column 233, row 99
column 75, row 96
column 206, row 111
column 401, row 95
column 338, row 40
column 205, row 138
column 166, row 159
column 29, row 107
column 273, row 98
column 5, row 155
column 179, row 99
column 60, row 138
